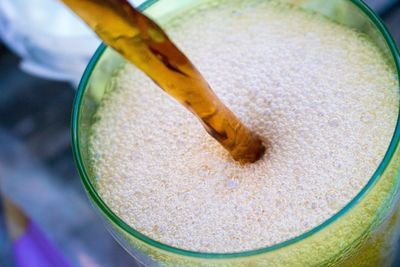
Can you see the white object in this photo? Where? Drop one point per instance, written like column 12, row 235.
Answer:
column 52, row 42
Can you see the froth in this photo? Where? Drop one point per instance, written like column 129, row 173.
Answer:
column 320, row 94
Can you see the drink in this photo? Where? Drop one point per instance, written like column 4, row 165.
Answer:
column 143, row 43
column 323, row 95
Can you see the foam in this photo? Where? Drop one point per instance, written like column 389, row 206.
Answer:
column 321, row 94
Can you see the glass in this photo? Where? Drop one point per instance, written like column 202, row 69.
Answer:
column 363, row 233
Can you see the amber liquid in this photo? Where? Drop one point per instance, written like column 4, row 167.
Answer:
column 142, row 42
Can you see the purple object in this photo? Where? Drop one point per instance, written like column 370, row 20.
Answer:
column 33, row 249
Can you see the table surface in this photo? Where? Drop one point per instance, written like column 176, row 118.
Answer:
column 38, row 170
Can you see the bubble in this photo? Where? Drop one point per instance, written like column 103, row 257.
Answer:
column 334, row 122
column 337, row 164
column 204, row 171
column 232, row 184
column 332, row 199
column 367, row 117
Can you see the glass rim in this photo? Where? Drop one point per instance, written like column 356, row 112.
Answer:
column 95, row 197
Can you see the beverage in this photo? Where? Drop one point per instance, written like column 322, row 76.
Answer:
column 325, row 98
column 142, row 42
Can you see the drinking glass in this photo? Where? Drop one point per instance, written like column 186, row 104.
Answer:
column 363, row 233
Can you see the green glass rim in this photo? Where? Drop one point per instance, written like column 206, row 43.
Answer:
column 95, row 197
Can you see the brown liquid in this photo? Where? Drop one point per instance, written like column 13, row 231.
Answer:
column 145, row 44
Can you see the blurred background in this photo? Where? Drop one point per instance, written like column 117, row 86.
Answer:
column 43, row 52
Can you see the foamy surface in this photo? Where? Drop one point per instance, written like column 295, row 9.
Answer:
column 321, row 94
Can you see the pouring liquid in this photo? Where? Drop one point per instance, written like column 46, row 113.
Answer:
column 143, row 43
